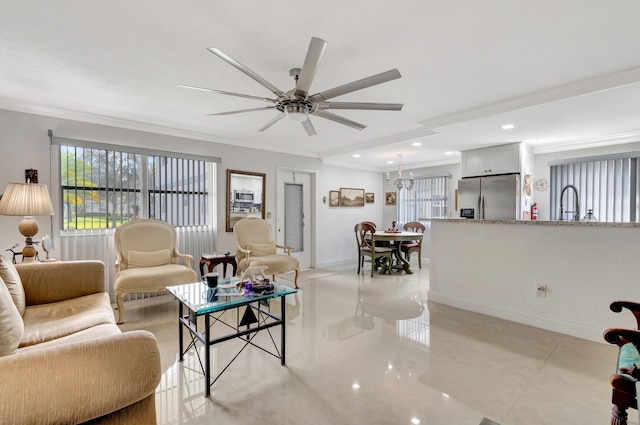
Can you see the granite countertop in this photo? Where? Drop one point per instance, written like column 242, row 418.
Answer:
column 533, row 222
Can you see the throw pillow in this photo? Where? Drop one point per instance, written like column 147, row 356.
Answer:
column 11, row 325
column 149, row 258
column 261, row 249
column 12, row 280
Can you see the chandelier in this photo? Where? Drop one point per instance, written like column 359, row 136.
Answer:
column 399, row 181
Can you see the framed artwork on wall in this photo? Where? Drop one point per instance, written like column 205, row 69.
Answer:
column 390, row 198
column 350, row 197
column 31, row 176
column 369, row 198
column 334, row 198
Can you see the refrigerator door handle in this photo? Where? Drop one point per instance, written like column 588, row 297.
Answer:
column 482, row 217
column 478, row 215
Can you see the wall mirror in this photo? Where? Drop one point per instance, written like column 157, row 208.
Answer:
column 245, row 196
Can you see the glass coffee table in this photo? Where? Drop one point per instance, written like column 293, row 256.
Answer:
column 253, row 315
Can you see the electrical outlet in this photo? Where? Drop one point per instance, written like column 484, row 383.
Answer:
column 541, row 290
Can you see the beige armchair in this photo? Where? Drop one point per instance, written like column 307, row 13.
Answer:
column 255, row 247
column 148, row 260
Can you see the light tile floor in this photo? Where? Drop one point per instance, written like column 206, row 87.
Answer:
column 375, row 351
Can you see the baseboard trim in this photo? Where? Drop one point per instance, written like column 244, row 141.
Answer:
column 551, row 324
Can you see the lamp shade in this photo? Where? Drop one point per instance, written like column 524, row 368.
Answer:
column 26, row 199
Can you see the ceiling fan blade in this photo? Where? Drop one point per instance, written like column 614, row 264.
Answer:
column 272, row 122
column 310, row 67
column 231, row 61
column 340, row 120
column 361, row 105
column 357, row 85
column 264, row 99
column 311, row 131
column 243, row 110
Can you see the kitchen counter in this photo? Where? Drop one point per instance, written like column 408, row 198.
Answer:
column 495, row 267
column 533, row 222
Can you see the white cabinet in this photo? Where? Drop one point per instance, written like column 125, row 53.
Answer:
column 501, row 159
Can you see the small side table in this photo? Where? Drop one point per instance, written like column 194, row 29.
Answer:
column 212, row 260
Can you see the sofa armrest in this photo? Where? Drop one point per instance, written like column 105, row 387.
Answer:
column 61, row 280
column 79, row 382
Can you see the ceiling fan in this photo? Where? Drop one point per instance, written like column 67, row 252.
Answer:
column 297, row 104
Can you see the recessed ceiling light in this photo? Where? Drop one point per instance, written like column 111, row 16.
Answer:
column 389, row 162
column 508, row 126
column 416, row 144
column 356, row 155
column 449, row 152
column 415, row 421
column 355, row 386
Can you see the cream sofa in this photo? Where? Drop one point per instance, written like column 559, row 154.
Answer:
column 72, row 364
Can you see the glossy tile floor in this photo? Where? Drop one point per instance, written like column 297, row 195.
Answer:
column 375, row 351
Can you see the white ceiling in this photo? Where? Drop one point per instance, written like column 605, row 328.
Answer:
column 565, row 73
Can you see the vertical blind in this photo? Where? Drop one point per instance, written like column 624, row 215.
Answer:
column 102, row 185
column 429, row 198
column 607, row 185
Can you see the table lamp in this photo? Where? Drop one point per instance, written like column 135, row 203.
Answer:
column 28, row 200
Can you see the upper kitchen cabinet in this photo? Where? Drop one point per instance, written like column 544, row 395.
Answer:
column 502, row 159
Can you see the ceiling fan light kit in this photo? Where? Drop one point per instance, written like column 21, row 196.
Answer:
column 297, row 105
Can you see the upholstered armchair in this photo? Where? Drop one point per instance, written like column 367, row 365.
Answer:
column 255, row 247
column 148, row 259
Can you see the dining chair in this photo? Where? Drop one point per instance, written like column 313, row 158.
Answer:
column 364, row 235
column 626, row 378
column 413, row 246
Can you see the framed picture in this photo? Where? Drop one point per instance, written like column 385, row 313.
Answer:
column 390, row 198
column 351, row 197
column 368, row 198
column 31, row 176
column 334, row 198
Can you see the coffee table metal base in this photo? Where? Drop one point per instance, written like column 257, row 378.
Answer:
column 243, row 329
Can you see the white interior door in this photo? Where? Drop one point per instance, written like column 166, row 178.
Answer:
column 294, row 221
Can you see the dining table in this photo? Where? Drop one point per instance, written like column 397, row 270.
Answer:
column 395, row 239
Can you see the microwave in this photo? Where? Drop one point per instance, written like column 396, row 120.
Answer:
column 243, row 196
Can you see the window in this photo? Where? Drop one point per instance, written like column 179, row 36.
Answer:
column 429, row 198
column 103, row 187
column 606, row 184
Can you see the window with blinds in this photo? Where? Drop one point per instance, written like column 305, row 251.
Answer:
column 102, row 188
column 606, row 185
column 429, row 198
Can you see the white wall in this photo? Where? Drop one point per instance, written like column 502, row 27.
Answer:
column 24, row 144
column 495, row 269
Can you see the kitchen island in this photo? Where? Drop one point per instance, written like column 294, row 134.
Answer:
column 559, row 276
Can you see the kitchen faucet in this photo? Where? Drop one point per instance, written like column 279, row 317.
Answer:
column 576, row 216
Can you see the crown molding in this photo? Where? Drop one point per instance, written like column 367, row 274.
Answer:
column 86, row 117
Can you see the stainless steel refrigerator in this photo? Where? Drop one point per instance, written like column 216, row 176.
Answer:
column 490, row 198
